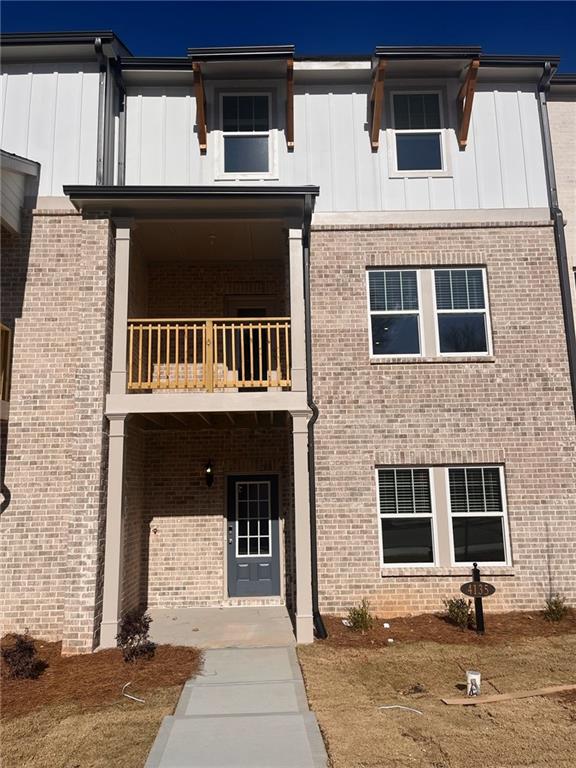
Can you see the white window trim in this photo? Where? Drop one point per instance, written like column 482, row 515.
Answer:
column 485, row 311
column 393, row 172
column 417, row 312
column 410, row 516
column 503, row 515
column 248, row 537
column 272, row 134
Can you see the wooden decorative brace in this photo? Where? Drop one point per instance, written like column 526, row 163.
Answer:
column 200, row 107
column 465, row 101
column 290, row 104
column 376, row 104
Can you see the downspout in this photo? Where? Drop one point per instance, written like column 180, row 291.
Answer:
column 558, row 222
column 101, row 135
column 319, row 627
column 120, row 85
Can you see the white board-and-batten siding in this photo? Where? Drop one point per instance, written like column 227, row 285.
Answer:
column 50, row 115
column 502, row 166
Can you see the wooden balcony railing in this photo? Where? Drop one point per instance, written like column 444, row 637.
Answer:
column 5, row 360
column 214, row 354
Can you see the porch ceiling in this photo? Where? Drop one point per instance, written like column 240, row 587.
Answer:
column 154, row 422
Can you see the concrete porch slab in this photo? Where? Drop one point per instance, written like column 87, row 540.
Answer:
column 237, row 627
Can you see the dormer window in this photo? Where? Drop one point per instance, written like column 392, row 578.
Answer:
column 247, row 149
column 418, row 141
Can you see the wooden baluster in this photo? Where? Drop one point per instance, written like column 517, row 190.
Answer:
column 149, row 366
column 186, row 356
column 168, row 372
column 209, row 359
column 260, row 354
column 287, row 341
column 140, row 334
column 242, row 362
column 224, row 354
column 195, row 357
column 131, row 358
column 177, row 356
column 269, row 345
column 158, row 356
column 278, row 364
column 251, row 353
column 235, row 372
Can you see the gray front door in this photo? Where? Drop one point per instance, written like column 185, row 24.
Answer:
column 253, row 545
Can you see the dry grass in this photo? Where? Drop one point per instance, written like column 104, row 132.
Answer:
column 67, row 736
column 346, row 685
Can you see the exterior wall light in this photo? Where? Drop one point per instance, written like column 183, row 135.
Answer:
column 209, row 473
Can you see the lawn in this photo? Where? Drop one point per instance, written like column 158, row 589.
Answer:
column 75, row 716
column 350, row 675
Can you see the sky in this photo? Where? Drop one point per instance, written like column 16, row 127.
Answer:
column 168, row 28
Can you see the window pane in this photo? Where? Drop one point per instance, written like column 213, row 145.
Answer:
column 462, row 333
column 492, row 489
column 422, row 499
column 418, row 152
column 431, row 110
column 242, row 546
column 407, row 541
column 475, row 289
column 402, row 111
column 416, row 111
column 458, row 494
column 393, row 290
column 246, row 154
column 261, row 113
column 230, row 113
column 395, row 335
column 387, row 491
column 404, row 491
column 443, row 289
column 459, row 289
column 478, row 539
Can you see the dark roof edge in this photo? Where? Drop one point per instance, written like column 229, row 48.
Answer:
column 495, row 60
column 241, row 52
column 155, row 63
column 61, row 38
column 427, row 51
column 564, row 78
column 95, row 192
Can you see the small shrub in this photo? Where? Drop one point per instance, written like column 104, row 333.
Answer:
column 21, row 659
column 556, row 608
column 360, row 618
column 459, row 612
column 133, row 636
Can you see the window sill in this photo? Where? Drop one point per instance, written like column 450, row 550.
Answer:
column 439, row 570
column 395, row 360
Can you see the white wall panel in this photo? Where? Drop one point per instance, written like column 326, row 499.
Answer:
column 487, row 151
column 50, row 115
column 533, row 149
column 511, row 149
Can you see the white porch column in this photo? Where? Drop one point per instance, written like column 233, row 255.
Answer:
column 120, row 321
column 113, row 544
column 298, row 325
column 304, row 622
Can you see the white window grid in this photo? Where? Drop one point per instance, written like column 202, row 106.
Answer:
column 414, row 312
column 503, row 515
column 408, row 516
column 259, row 535
column 484, row 311
column 445, row 170
column 270, row 134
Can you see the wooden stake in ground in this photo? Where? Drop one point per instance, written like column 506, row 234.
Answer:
column 474, row 700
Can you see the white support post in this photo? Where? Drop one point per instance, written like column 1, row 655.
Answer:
column 120, row 321
column 297, row 315
column 113, row 544
column 302, row 543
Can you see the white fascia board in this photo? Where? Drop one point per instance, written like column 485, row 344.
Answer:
column 315, row 66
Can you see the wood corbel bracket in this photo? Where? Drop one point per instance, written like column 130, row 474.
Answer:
column 377, row 103
column 290, row 104
column 465, row 101
column 200, row 107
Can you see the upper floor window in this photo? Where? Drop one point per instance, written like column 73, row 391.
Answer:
column 247, row 146
column 418, row 137
column 461, row 311
column 394, row 312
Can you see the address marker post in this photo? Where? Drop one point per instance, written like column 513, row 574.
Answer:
column 478, row 589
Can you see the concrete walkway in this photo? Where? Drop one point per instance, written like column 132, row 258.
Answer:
column 222, row 627
column 246, row 709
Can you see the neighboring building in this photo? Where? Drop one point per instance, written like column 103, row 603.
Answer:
column 224, row 245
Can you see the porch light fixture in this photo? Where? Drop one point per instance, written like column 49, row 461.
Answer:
column 209, row 473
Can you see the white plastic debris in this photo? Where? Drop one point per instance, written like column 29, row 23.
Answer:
column 390, row 640
column 347, row 622
column 386, row 625
column 128, row 696
column 473, row 680
column 399, row 706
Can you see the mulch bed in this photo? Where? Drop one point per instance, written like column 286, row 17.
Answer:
column 500, row 628
column 93, row 679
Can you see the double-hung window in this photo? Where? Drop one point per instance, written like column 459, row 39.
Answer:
column 418, row 132
column 461, row 311
column 477, row 514
column 394, row 312
column 405, row 508
column 245, row 119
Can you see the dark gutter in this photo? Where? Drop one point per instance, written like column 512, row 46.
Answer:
column 61, row 38
column 319, row 626
column 241, row 52
column 154, row 192
column 494, row 60
column 155, row 62
column 564, row 272
column 568, row 78
column 101, row 131
column 428, row 51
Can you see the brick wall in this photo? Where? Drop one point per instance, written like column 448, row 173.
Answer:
column 55, row 285
column 515, row 408
column 175, row 527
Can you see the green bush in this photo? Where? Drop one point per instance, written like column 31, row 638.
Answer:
column 459, row 612
column 359, row 617
column 21, row 659
column 556, row 608
column 133, row 636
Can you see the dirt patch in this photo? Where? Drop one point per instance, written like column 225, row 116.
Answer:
column 500, row 628
column 347, row 685
column 94, row 679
